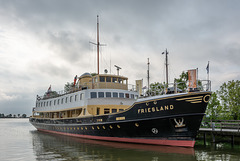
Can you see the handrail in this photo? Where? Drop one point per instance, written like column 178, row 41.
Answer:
column 222, row 124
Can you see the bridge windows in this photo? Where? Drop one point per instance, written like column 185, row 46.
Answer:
column 114, row 80
column 108, row 79
column 102, row 79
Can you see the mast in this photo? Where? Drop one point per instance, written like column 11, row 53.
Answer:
column 166, row 59
column 98, row 45
column 148, row 74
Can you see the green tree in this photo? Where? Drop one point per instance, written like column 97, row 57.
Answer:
column 214, row 109
column 182, row 81
column 68, row 87
column 24, row 115
column 229, row 94
column 156, row 88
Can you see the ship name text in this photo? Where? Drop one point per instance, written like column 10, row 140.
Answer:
column 155, row 109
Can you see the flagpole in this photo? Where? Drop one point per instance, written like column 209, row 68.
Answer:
column 208, row 77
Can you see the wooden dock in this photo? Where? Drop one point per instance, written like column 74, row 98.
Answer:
column 228, row 128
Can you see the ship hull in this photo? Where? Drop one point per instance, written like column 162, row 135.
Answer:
column 173, row 120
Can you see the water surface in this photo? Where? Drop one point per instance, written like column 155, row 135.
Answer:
column 21, row 141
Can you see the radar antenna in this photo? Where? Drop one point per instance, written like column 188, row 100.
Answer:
column 117, row 69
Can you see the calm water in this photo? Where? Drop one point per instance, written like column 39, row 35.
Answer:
column 20, row 141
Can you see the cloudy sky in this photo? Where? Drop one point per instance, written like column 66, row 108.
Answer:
column 45, row 42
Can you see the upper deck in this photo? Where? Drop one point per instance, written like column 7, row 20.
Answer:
column 102, row 81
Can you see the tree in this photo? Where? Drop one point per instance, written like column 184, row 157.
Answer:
column 229, row 94
column 214, row 109
column 68, row 87
column 24, row 115
column 156, row 89
column 182, row 81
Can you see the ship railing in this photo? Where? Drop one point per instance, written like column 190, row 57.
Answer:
column 54, row 94
column 178, row 87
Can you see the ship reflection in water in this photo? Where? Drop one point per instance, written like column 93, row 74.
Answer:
column 56, row 147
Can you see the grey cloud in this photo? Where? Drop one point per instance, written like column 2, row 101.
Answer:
column 193, row 31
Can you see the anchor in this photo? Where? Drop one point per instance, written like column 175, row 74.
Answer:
column 179, row 122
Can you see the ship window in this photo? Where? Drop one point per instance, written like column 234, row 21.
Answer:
column 100, row 94
column 70, row 98
column 50, row 103
column 54, row 102
column 119, row 80
column 108, row 94
column 102, row 79
column 82, row 96
column 121, row 95
column 41, row 104
column 121, row 110
column 96, row 79
column 124, row 81
column 62, row 100
column 114, row 80
column 58, row 101
column 108, row 79
column 47, row 103
column 84, row 111
column 93, row 95
column 132, row 96
column 106, row 110
column 98, row 111
column 114, row 110
column 75, row 97
column 126, row 95
column 115, row 94
column 66, row 100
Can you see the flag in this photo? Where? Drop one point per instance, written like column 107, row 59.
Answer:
column 192, row 78
column 49, row 89
column 207, row 68
column 75, row 79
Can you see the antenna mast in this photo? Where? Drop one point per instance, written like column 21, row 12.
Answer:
column 148, row 74
column 166, row 52
column 98, row 45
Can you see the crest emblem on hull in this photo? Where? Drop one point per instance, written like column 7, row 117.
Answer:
column 179, row 122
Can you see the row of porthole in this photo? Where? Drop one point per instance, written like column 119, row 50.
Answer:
column 74, row 128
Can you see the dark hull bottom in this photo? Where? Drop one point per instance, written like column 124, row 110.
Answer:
column 180, row 143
